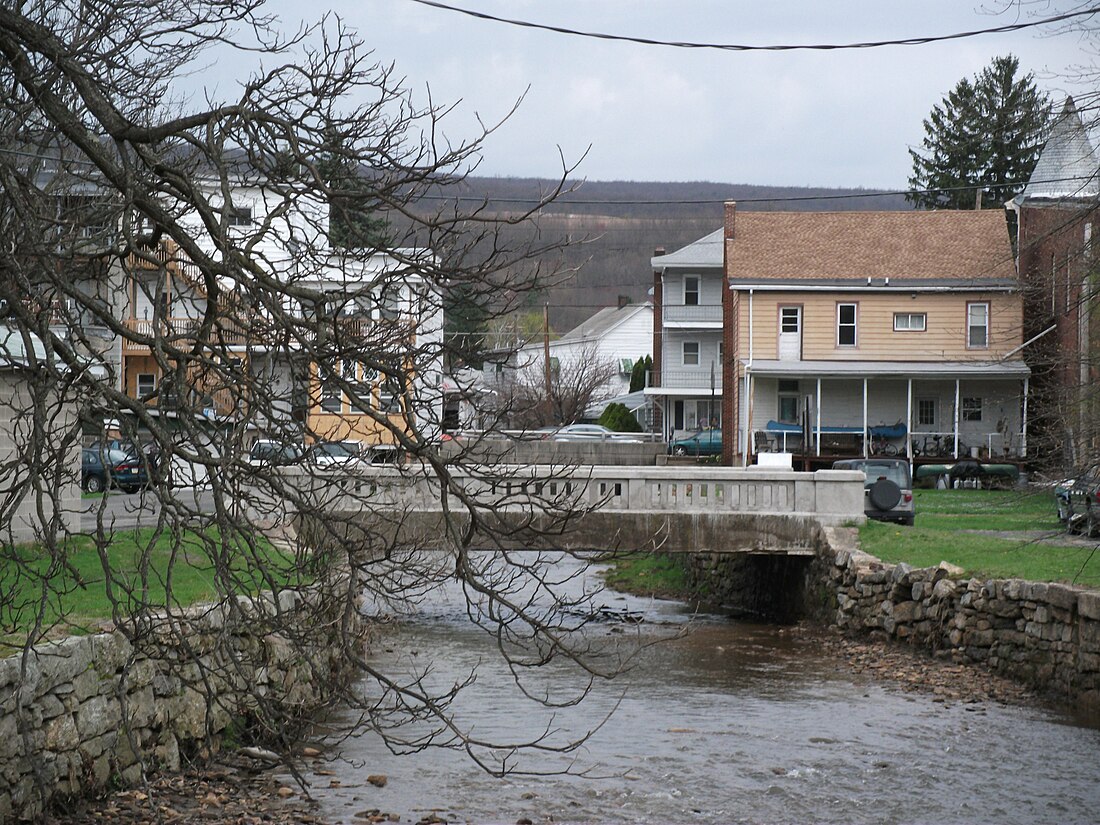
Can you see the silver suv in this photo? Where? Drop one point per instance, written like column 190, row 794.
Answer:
column 887, row 490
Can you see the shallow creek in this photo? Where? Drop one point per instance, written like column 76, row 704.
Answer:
column 728, row 722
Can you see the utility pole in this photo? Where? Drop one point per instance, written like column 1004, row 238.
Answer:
column 546, row 353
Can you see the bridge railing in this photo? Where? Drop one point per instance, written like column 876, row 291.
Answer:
column 828, row 496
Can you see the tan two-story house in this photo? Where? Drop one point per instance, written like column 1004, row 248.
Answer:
column 858, row 333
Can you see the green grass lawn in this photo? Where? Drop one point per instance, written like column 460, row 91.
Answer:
column 947, row 529
column 86, row 584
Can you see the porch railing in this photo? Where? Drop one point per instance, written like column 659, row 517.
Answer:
column 695, row 378
column 697, row 313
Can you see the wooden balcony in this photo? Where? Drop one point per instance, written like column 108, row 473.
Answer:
column 180, row 332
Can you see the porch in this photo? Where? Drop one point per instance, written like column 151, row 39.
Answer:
column 923, row 411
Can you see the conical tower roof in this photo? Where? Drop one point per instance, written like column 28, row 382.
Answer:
column 1068, row 168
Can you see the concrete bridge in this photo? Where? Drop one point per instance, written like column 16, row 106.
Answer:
column 672, row 509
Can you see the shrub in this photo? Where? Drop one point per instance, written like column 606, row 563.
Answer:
column 618, row 418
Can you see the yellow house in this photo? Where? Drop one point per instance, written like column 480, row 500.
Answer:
column 858, row 333
column 163, row 297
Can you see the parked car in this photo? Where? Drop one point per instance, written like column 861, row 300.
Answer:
column 887, row 490
column 592, row 432
column 103, row 467
column 338, row 453
column 704, row 442
column 1079, row 502
column 267, row 452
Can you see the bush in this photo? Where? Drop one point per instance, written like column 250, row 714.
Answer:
column 618, row 418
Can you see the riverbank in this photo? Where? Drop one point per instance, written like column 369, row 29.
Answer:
column 796, row 710
column 911, row 669
column 229, row 789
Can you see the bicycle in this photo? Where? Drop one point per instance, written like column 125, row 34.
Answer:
column 881, row 445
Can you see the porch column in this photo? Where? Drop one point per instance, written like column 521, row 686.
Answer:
column 745, row 428
column 958, row 414
column 866, row 446
column 817, row 426
column 909, row 420
column 1023, row 422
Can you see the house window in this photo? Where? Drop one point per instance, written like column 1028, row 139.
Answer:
column 789, row 318
column 389, row 397
column 910, row 321
column 926, row 412
column 691, row 353
column 977, row 326
column 702, row 414
column 391, row 303
column 555, row 365
column 331, row 398
column 146, row 384
column 788, row 401
column 972, row 409
column 846, row 325
column 691, row 290
column 626, row 365
column 240, row 216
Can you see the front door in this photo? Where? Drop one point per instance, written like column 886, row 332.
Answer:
column 790, row 333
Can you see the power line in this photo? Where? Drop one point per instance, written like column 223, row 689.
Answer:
column 565, row 200
column 737, row 47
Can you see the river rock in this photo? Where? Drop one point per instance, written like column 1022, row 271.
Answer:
column 378, row 780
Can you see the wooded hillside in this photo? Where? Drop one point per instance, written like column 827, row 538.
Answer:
column 616, row 225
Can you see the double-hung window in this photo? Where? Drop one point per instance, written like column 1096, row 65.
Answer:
column 846, row 319
column 691, row 290
column 691, row 353
column 977, row 325
column 146, row 384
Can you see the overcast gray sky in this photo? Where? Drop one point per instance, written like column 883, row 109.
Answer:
column 839, row 118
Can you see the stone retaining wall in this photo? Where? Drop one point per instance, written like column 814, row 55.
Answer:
column 1044, row 635
column 92, row 709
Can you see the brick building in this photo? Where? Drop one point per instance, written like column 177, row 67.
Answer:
column 1058, row 222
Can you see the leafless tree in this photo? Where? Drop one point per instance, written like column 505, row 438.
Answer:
column 561, row 392
column 193, row 276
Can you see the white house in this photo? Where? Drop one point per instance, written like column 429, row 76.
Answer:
column 381, row 300
column 610, row 342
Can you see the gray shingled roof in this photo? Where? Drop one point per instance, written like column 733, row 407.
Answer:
column 1067, row 166
column 606, row 319
column 705, row 252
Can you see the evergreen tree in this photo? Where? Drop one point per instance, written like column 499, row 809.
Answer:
column 465, row 322
column 986, row 134
column 353, row 206
column 638, row 373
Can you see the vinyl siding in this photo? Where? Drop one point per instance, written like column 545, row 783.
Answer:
column 944, row 336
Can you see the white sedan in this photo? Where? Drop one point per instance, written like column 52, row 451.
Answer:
column 592, row 432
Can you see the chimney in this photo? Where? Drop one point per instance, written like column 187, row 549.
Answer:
column 624, row 301
column 731, row 219
column 658, row 252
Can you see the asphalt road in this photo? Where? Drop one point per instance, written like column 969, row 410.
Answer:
column 127, row 511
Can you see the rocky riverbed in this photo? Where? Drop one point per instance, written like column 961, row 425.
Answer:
column 245, row 791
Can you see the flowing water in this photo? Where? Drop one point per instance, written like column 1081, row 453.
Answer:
column 726, row 722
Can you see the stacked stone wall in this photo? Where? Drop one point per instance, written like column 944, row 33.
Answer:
column 1044, row 635
column 88, row 713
